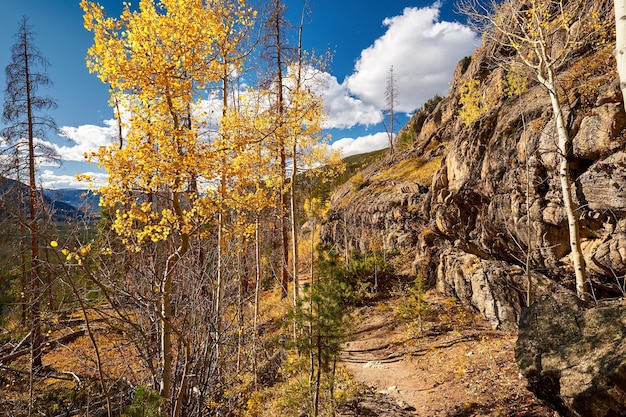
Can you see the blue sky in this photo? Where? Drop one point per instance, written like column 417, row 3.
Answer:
column 423, row 40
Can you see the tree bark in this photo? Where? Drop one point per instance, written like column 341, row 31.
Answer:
column 620, row 44
column 283, row 213
column 23, row 123
column 166, row 313
column 257, row 292
column 33, row 226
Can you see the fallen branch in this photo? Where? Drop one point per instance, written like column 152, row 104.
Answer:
column 48, row 345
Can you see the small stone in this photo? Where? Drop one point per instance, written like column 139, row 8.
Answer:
column 405, row 406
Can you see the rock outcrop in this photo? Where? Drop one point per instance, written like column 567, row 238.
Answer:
column 486, row 191
column 496, row 289
column 575, row 358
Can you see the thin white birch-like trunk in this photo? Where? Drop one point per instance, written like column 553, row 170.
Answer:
column 564, row 145
column 257, row 291
column 620, row 44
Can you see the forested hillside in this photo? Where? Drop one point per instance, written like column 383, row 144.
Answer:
column 237, row 267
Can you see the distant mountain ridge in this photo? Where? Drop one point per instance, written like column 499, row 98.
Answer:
column 64, row 203
column 82, row 199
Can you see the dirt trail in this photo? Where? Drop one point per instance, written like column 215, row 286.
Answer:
column 455, row 366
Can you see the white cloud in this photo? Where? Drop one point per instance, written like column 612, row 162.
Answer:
column 344, row 111
column 53, row 181
column 362, row 144
column 423, row 52
column 86, row 138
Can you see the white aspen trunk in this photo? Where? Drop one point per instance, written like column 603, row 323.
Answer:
column 240, row 316
column 620, row 44
column 311, row 286
column 312, row 259
column 564, row 143
column 294, row 230
column 294, row 177
column 257, row 290
column 166, row 313
column 219, row 295
column 294, row 242
column 166, row 338
column 220, row 236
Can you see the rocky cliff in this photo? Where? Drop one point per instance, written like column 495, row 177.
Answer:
column 476, row 201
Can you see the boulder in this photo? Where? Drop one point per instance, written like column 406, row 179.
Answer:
column 496, row 289
column 573, row 357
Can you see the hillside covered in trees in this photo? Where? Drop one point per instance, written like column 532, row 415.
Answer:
column 238, row 268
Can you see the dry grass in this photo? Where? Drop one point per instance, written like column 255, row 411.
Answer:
column 411, row 170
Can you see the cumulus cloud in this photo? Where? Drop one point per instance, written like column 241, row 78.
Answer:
column 362, row 144
column 344, row 111
column 52, row 180
column 423, row 53
column 86, row 138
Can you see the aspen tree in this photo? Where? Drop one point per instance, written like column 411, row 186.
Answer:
column 162, row 57
column 243, row 190
column 252, row 122
column 620, row 44
column 229, row 144
column 294, row 162
column 305, row 116
column 298, row 117
column 533, row 32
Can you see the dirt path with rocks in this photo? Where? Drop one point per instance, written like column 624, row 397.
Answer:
column 456, row 365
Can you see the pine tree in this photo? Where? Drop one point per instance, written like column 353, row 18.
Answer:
column 23, row 114
column 325, row 316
